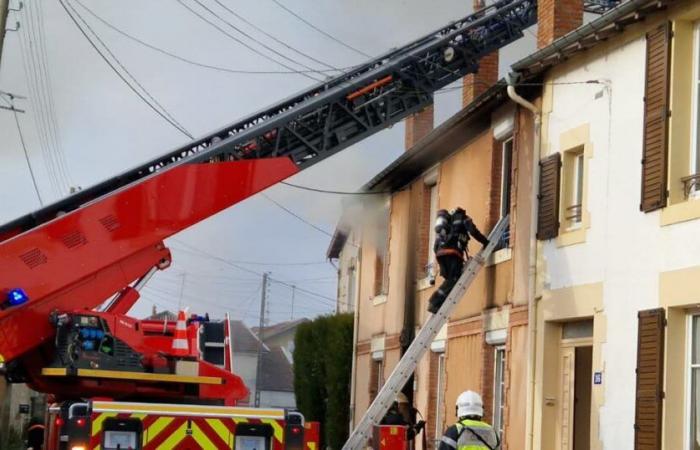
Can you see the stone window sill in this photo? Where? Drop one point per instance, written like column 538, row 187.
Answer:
column 379, row 299
column 423, row 284
column 681, row 212
column 499, row 256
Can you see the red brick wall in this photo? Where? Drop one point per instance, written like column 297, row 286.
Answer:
column 487, row 378
column 418, row 126
column 430, row 414
column 496, row 176
column 555, row 18
column 475, row 84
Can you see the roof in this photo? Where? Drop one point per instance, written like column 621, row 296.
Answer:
column 243, row 339
column 277, row 373
column 591, row 34
column 340, row 237
column 475, row 117
column 280, row 328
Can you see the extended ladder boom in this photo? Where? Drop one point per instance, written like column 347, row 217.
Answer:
column 408, row 362
column 315, row 124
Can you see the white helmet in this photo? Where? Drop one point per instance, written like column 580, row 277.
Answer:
column 469, row 403
column 401, row 398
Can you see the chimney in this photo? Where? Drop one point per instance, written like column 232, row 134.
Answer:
column 153, row 311
column 475, row 84
column 418, row 126
column 555, row 18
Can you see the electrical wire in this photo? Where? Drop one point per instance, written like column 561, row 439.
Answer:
column 161, row 112
column 279, row 41
column 192, row 62
column 42, row 104
column 327, row 191
column 51, row 113
column 26, row 156
column 257, row 263
column 244, row 269
column 333, row 38
column 36, row 112
column 246, row 45
column 297, row 216
column 260, row 43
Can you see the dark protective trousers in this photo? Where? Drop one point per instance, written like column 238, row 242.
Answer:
column 451, row 267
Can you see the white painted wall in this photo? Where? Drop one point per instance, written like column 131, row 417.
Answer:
column 245, row 365
column 625, row 249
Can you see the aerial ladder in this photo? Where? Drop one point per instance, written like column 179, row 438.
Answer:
column 99, row 246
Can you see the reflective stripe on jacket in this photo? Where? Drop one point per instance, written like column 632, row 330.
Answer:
column 471, row 435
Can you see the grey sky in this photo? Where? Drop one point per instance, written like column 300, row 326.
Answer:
column 104, row 128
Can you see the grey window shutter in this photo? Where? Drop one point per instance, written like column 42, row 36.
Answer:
column 548, row 205
column 650, row 375
column 656, row 112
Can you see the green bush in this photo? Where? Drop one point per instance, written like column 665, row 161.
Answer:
column 322, row 370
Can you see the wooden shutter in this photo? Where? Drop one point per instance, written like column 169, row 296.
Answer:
column 656, row 112
column 548, row 212
column 650, row 374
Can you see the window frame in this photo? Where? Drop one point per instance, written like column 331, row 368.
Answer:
column 506, row 174
column 573, row 188
column 688, row 397
column 433, row 209
column 693, row 191
column 499, row 388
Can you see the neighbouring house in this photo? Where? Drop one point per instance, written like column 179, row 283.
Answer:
column 618, row 253
column 281, row 335
column 277, row 379
column 344, row 249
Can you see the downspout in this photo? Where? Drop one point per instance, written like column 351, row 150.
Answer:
column 355, row 326
column 532, row 260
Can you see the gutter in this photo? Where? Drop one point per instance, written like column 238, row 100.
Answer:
column 589, row 29
column 532, row 261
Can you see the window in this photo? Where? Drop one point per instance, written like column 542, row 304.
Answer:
column 574, row 166
column 506, row 181
column 376, row 378
column 692, row 182
column 506, row 169
column 440, row 399
column 350, row 300
column 381, row 260
column 430, row 264
column 499, row 388
column 694, row 375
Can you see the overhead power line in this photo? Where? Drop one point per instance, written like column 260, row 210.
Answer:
column 327, row 191
column 191, row 61
column 297, row 216
column 51, row 104
column 26, row 156
column 153, row 103
column 333, row 38
column 239, row 41
column 274, row 38
column 245, row 269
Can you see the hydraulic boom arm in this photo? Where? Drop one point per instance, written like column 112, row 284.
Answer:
column 78, row 252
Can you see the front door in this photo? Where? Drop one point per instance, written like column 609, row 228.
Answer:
column 574, row 415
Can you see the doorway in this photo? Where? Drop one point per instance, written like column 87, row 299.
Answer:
column 575, row 386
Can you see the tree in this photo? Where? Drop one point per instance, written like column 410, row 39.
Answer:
column 322, row 370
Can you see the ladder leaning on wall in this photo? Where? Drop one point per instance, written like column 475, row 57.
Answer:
column 407, row 365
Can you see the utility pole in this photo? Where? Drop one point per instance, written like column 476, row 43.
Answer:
column 294, row 291
column 4, row 5
column 261, row 329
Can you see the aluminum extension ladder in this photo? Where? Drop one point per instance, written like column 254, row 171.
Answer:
column 407, row 365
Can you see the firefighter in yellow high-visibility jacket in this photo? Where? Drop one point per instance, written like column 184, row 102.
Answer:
column 470, row 432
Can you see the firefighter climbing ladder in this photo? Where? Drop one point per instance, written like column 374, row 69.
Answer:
column 407, row 365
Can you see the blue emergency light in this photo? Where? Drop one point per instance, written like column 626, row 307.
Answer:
column 16, row 297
